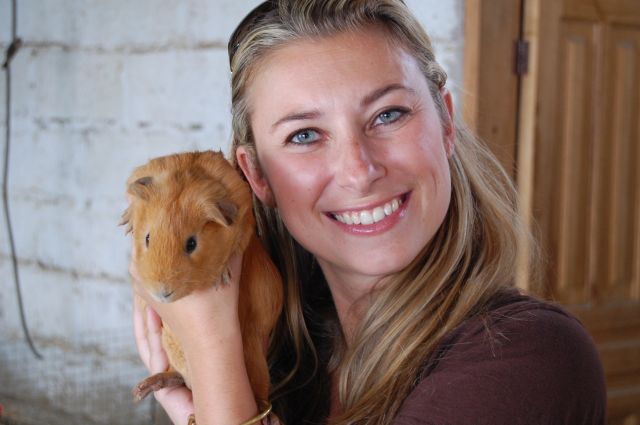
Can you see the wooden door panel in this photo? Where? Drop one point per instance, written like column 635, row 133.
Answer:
column 623, row 75
column 614, row 251
column 571, row 195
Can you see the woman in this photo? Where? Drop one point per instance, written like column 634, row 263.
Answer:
column 395, row 232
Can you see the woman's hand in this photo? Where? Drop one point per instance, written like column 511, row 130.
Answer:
column 207, row 327
column 201, row 315
column 176, row 401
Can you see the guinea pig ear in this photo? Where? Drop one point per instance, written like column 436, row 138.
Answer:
column 222, row 212
column 141, row 188
column 126, row 220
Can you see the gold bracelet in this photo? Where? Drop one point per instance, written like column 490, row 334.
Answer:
column 254, row 420
column 259, row 417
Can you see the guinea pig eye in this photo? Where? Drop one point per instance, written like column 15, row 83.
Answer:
column 191, row 245
column 146, row 240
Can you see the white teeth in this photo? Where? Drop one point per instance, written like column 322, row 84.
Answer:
column 365, row 217
column 378, row 214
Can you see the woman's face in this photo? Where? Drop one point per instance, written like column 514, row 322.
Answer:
column 351, row 151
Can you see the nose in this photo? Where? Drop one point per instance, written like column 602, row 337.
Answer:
column 164, row 295
column 359, row 164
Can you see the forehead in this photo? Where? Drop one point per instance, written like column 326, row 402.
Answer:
column 320, row 68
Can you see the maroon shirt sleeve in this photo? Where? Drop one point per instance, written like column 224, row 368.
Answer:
column 526, row 362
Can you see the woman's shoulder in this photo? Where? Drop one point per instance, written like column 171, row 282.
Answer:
column 521, row 361
column 517, row 324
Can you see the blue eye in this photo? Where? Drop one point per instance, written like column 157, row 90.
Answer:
column 387, row 117
column 304, row 137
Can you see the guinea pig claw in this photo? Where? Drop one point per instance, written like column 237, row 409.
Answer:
column 226, row 276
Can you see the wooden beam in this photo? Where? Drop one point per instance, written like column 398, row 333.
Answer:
column 525, row 161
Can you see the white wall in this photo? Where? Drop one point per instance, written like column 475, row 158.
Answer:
column 100, row 87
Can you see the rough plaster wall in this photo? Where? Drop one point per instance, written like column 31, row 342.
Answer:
column 100, row 87
column 444, row 22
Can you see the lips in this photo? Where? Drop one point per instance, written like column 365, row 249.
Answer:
column 365, row 217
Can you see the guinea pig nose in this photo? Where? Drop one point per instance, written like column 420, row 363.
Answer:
column 165, row 295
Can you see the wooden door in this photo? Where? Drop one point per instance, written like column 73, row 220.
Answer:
column 578, row 159
column 490, row 95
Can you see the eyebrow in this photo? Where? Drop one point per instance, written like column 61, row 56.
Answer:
column 370, row 98
column 377, row 94
column 296, row 116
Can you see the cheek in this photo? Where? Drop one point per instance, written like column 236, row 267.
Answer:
column 440, row 192
column 424, row 160
column 438, row 164
column 296, row 182
column 422, row 156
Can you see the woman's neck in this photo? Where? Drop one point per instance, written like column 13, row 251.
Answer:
column 349, row 296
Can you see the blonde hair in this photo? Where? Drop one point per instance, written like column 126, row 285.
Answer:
column 470, row 259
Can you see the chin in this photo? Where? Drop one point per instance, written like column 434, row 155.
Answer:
column 384, row 267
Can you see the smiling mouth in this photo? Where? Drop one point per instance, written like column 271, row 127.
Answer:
column 370, row 216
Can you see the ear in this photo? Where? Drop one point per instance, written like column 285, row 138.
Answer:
column 450, row 126
column 248, row 162
column 141, row 188
column 222, row 212
column 126, row 220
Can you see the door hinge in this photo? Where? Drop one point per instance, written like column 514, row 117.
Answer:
column 522, row 57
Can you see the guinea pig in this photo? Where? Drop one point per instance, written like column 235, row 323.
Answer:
column 188, row 214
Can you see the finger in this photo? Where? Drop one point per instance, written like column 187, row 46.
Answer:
column 177, row 402
column 158, row 361
column 140, row 331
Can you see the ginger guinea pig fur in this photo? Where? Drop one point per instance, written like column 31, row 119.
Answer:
column 188, row 214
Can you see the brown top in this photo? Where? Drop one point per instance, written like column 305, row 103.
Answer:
column 523, row 362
